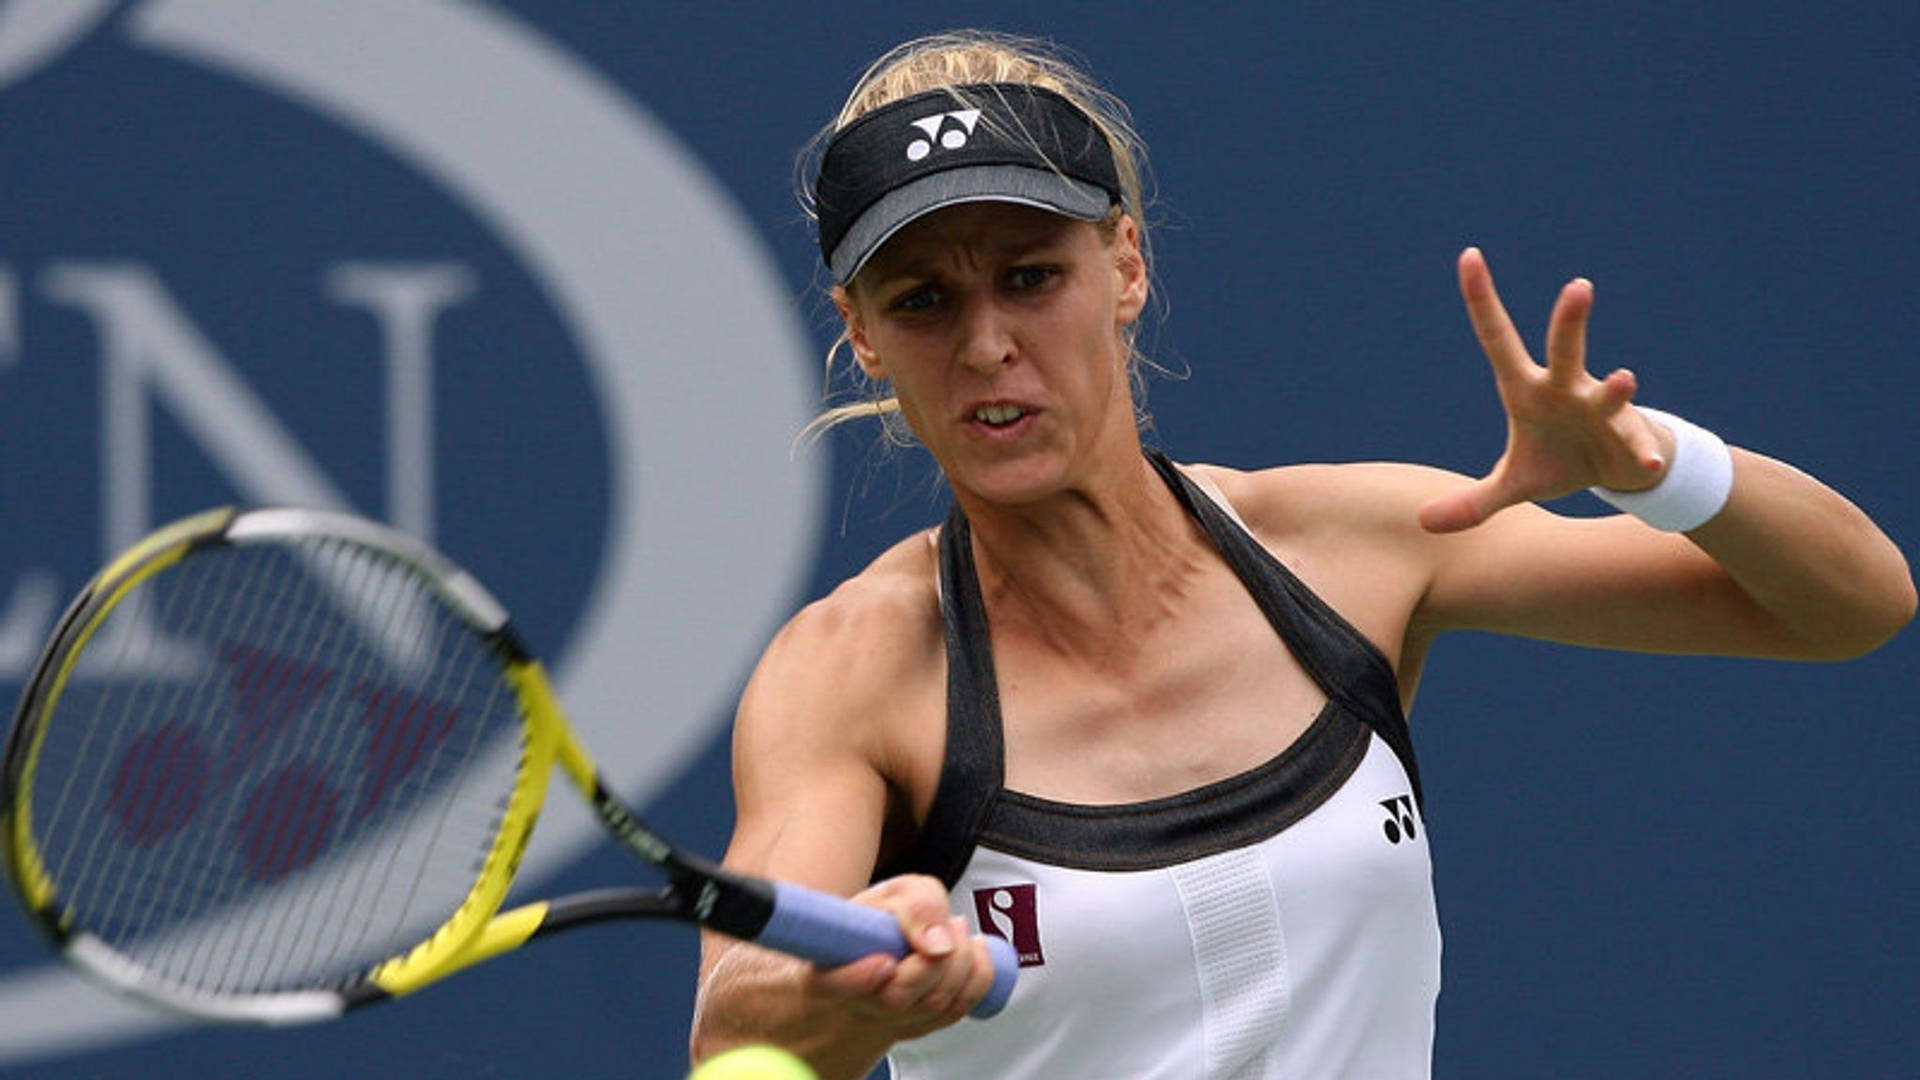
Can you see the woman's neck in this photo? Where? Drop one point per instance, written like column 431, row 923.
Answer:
column 1090, row 571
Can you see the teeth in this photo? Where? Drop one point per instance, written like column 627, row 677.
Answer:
column 999, row 414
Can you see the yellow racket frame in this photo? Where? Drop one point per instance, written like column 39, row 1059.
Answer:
column 475, row 931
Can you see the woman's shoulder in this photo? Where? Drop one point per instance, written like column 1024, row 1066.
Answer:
column 1348, row 497
column 867, row 636
column 1351, row 532
column 898, row 591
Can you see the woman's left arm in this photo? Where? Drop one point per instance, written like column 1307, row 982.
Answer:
column 1787, row 567
column 1809, row 558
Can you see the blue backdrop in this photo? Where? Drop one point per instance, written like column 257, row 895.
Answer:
column 229, row 229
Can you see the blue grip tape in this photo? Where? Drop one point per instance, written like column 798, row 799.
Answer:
column 831, row 931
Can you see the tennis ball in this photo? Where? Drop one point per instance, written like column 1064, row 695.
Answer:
column 754, row 1063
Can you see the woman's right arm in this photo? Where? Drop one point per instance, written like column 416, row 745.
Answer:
column 812, row 793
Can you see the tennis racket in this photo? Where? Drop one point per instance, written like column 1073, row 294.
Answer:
column 277, row 765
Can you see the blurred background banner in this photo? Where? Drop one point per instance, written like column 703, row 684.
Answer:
column 529, row 279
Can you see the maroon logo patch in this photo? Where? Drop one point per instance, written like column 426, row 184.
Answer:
column 1010, row 912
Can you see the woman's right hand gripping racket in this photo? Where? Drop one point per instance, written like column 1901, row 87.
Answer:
column 309, row 781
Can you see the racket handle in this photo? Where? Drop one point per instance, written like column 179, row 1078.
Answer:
column 831, row 931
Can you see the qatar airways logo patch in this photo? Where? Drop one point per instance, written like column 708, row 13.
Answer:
column 1012, row 912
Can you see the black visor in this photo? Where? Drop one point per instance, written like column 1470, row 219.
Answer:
column 983, row 142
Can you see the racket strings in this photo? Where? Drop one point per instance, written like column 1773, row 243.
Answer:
column 269, row 688
column 279, row 943
column 349, row 905
column 318, row 930
column 230, row 745
column 173, row 897
column 124, row 897
column 310, row 796
column 491, row 810
column 132, row 639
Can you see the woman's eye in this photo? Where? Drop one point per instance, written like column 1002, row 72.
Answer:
column 916, row 300
column 1029, row 277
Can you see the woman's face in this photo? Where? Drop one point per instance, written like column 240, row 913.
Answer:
column 1000, row 328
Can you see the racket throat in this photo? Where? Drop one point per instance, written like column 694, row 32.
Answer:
column 698, row 889
column 717, row 899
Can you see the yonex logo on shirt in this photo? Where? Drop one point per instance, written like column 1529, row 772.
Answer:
column 942, row 135
column 1012, row 912
column 1400, row 822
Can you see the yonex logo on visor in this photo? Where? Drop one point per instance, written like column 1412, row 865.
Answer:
column 1004, row 142
column 951, row 139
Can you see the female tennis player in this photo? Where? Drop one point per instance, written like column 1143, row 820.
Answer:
column 1146, row 720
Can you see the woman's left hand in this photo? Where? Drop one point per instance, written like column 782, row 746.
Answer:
column 1566, row 430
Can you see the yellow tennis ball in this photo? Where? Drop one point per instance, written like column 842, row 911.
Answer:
column 754, row 1063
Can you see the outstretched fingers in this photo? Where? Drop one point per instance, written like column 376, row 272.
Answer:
column 1567, row 333
column 1491, row 324
column 1566, row 429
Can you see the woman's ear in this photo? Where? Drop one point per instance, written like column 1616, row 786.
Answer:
column 856, row 335
column 1132, row 268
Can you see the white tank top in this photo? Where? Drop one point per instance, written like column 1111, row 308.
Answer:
column 1275, row 925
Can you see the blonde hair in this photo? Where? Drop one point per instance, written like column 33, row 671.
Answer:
column 952, row 59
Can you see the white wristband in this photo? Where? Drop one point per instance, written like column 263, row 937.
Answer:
column 1696, row 486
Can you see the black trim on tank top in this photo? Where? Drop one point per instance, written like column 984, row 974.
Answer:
column 974, row 763
column 1236, row 812
column 1338, row 656
column 970, row 806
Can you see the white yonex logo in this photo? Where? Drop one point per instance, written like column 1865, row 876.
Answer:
column 951, row 138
